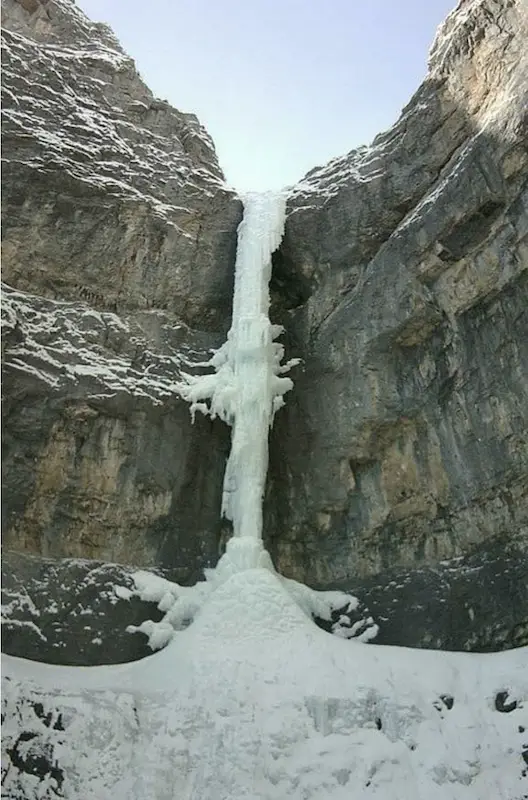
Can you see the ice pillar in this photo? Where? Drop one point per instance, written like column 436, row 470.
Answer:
column 248, row 385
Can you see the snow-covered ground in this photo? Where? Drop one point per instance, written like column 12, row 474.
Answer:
column 252, row 700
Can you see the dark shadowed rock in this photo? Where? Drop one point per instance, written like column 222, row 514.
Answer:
column 66, row 611
column 503, row 703
column 475, row 603
column 402, row 285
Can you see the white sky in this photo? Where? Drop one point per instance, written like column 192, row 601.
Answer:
column 281, row 85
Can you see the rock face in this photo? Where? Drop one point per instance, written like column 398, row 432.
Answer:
column 118, row 232
column 402, row 285
column 100, row 457
column 399, row 464
column 109, row 194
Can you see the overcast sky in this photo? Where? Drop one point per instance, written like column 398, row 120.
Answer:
column 281, row 85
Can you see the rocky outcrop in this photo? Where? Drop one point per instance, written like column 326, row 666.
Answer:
column 118, row 232
column 66, row 611
column 402, row 285
column 109, row 195
column 398, row 466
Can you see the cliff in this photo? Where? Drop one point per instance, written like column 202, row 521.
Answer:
column 399, row 465
column 119, row 234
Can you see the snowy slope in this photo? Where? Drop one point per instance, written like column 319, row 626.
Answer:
column 254, row 701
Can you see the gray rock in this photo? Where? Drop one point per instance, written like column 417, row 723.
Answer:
column 402, row 285
column 65, row 611
column 109, row 194
column 475, row 602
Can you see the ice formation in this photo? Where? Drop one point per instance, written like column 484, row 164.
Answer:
column 245, row 390
column 248, row 385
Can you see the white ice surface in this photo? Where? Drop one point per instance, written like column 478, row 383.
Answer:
column 247, row 387
column 254, row 701
column 181, row 604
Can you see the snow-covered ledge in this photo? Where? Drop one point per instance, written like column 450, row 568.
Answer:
column 255, row 701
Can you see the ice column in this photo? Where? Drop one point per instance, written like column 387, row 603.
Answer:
column 245, row 390
column 248, row 385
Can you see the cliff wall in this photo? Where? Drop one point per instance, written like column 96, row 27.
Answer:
column 399, row 464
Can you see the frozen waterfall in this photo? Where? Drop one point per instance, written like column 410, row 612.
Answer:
column 248, row 385
column 245, row 390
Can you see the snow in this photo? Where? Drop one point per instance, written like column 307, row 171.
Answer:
column 252, row 700
column 25, row 623
column 181, row 604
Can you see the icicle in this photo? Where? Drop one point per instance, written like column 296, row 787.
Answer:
column 246, row 389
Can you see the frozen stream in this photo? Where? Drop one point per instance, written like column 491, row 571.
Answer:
column 248, row 385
